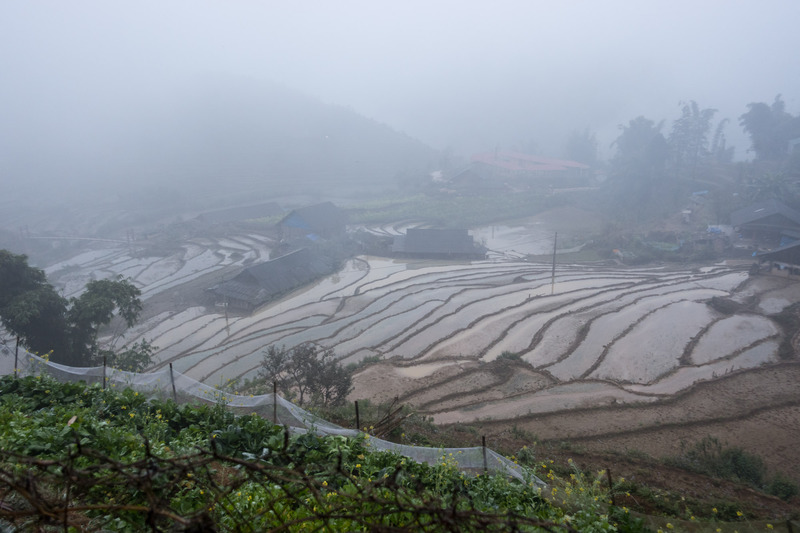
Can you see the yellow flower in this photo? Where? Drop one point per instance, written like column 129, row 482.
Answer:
column 669, row 525
column 739, row 513
column 358, row 465
column 769, row 526
column 324, row 483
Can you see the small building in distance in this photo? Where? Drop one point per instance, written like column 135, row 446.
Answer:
column 314, row 222
column 531, row 170
column 770, row 223
column 437, row 244
column 258, row 284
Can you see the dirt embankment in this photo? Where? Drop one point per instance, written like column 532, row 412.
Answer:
column 756, row 410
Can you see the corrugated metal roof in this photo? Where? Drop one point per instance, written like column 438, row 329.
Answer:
column 764, row 209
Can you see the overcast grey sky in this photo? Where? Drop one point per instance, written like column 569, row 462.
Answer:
column 469, row 75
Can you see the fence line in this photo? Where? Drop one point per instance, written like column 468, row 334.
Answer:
column 169, row 383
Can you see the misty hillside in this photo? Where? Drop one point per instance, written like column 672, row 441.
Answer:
column 274, row 133
column 211, row 132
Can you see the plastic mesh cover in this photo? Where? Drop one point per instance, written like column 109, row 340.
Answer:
column 168, row 383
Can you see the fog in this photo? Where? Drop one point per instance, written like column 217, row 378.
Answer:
column 105, row 91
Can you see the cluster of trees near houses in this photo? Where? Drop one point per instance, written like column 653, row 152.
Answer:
column 653, row 168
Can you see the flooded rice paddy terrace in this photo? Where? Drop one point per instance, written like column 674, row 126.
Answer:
column 596, row 336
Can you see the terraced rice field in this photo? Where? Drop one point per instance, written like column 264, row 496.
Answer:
column 595, row 335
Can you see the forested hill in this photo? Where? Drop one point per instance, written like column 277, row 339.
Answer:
column 251, row 129
column 216, row 130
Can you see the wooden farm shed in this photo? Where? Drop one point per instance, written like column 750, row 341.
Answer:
column 783, row 260
column 258, row 284
column 437, row 244
column 313, row 222
column 766, row 222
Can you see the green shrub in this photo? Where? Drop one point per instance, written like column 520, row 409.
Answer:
column 783, row 488
column 709, row 456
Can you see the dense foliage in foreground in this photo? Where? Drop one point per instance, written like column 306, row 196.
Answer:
column 86, row 458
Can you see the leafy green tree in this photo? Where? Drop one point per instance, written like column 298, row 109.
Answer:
column 637, row 171
column 135, row 358
column 642, row 151
column 688, row 140
column 720, row 152
column 307, row 374
column 774, row 186
column 30, row 307
column 95, row 307
column 582, row 147
column 770, row 129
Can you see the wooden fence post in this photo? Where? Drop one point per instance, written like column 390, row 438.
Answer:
column 483, row 446
column 16, row 359
column 611, row 487
column 172, row 379
column 274, row 402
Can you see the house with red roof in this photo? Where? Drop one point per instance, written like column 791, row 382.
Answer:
column 514, row 170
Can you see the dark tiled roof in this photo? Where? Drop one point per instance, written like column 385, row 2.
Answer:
column 259, row 283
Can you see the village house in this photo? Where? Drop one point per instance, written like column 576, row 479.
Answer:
column 769, row 223
column 531, row 170
column 258, row 284
column 784, row 260
column 314, row 222
column 437, row 244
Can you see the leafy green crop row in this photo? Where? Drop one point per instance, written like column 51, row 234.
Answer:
column 94, row 459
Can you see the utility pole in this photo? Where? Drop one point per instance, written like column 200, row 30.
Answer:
column 553, row 276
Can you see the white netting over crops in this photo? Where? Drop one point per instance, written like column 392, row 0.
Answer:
column 167, row 383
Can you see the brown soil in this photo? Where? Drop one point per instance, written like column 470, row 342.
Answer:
column 756, row 410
